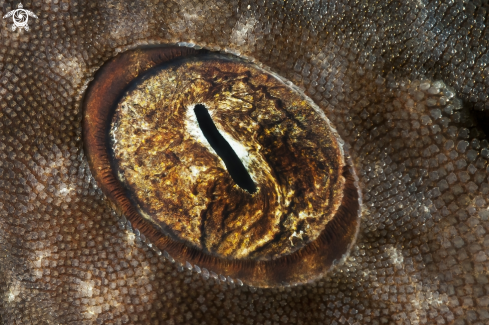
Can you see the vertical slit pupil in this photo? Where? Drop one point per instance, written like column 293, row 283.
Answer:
column 235, row 167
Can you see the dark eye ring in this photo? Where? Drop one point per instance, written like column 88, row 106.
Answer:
column 313, row 260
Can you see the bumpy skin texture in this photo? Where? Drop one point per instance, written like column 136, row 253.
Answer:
column 421, row 254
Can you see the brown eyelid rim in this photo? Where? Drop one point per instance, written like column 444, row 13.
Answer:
column 302, row 266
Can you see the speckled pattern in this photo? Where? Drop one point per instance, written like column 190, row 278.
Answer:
column 374, row 68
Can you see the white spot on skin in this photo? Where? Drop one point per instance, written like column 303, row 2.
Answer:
column 13, row 292
column 130, row 238
column 86, row 289
column 65, row 190
column 243, row 31
column 396, row 257
column 40, row 256
column 71, row 66
column 424, row 299
column 94, row 311
column 190, row 16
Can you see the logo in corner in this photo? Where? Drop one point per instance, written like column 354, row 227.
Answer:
column 20, row 17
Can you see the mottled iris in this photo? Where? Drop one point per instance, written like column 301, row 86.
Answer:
column 179, row 182
column 153, row 153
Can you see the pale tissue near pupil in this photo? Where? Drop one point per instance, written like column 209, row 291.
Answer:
column 234, row 166
column 422, row 253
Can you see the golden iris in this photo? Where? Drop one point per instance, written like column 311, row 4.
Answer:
column 223, row 164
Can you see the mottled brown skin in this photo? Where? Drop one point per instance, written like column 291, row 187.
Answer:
column 421, row 254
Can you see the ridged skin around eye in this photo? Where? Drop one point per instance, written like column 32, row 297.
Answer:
column 421, row 255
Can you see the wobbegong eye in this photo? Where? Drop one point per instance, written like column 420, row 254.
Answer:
column 222, row 164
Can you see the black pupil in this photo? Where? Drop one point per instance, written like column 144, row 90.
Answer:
column 234, row 166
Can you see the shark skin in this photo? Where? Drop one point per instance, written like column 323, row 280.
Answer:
column 405, row 84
